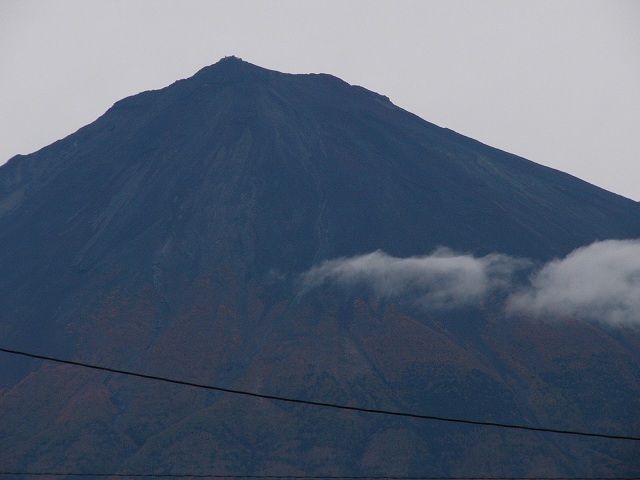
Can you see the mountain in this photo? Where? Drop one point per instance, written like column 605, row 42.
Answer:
column 169, row 237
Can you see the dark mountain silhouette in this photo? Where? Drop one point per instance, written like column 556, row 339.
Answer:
column 168, row 236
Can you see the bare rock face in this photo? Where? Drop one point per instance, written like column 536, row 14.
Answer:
column 169, row 237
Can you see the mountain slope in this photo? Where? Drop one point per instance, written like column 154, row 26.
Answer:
column 167, row 236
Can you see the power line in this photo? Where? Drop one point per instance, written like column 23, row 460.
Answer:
column 322, row 404
column 295, row 477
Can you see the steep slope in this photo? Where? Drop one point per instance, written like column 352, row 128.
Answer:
column 167, row 236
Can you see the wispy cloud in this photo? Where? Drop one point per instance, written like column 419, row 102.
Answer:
column 442, row 280
column 598, row 282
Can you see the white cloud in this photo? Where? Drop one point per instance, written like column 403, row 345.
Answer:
column 598, row 282
column 444, row 279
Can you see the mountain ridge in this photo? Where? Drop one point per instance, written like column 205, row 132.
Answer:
column 240, row 65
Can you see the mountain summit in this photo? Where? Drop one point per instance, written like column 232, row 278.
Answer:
column 168, row 236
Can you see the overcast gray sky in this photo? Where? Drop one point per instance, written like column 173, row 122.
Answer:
column 556, row 81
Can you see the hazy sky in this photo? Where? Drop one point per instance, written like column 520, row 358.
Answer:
column 555, row 81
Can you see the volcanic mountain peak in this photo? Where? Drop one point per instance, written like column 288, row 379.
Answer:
column 167, row 237
column 231, row 59
column 311, row 166
column 234, row 65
